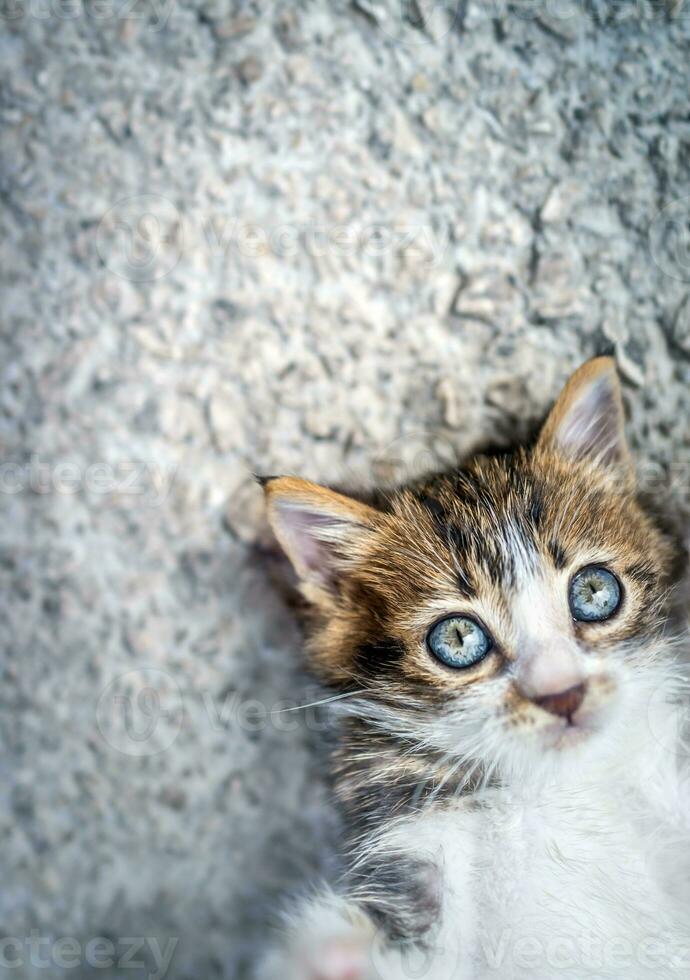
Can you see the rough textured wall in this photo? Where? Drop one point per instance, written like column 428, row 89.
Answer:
column 341, row 239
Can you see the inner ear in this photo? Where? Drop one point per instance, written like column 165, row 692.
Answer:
column 321, row 531
column 587, row 421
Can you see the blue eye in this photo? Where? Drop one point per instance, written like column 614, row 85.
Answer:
column 595, row 594
column 458, row 642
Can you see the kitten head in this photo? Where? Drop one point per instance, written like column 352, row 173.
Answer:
column 505, row 611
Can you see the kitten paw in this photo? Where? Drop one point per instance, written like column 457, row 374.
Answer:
column 331, row 940
column 338, row 959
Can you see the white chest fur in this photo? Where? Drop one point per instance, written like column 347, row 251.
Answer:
column 578, row 880
column 582, row 879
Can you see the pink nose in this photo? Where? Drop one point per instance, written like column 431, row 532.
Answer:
column 565, row 703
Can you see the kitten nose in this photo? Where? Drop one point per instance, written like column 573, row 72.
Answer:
column 565, row 703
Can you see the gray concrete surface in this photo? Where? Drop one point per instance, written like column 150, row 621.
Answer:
column 342, row 239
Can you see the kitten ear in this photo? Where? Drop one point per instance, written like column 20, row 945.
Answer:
column 587, row 421
column 317, row 528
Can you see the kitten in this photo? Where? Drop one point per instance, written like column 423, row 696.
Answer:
column 511, row 764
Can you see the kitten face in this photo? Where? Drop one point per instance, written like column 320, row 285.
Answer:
column 462, row 610
column 547, row 679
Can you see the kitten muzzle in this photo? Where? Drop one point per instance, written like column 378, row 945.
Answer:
column 564, row 704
